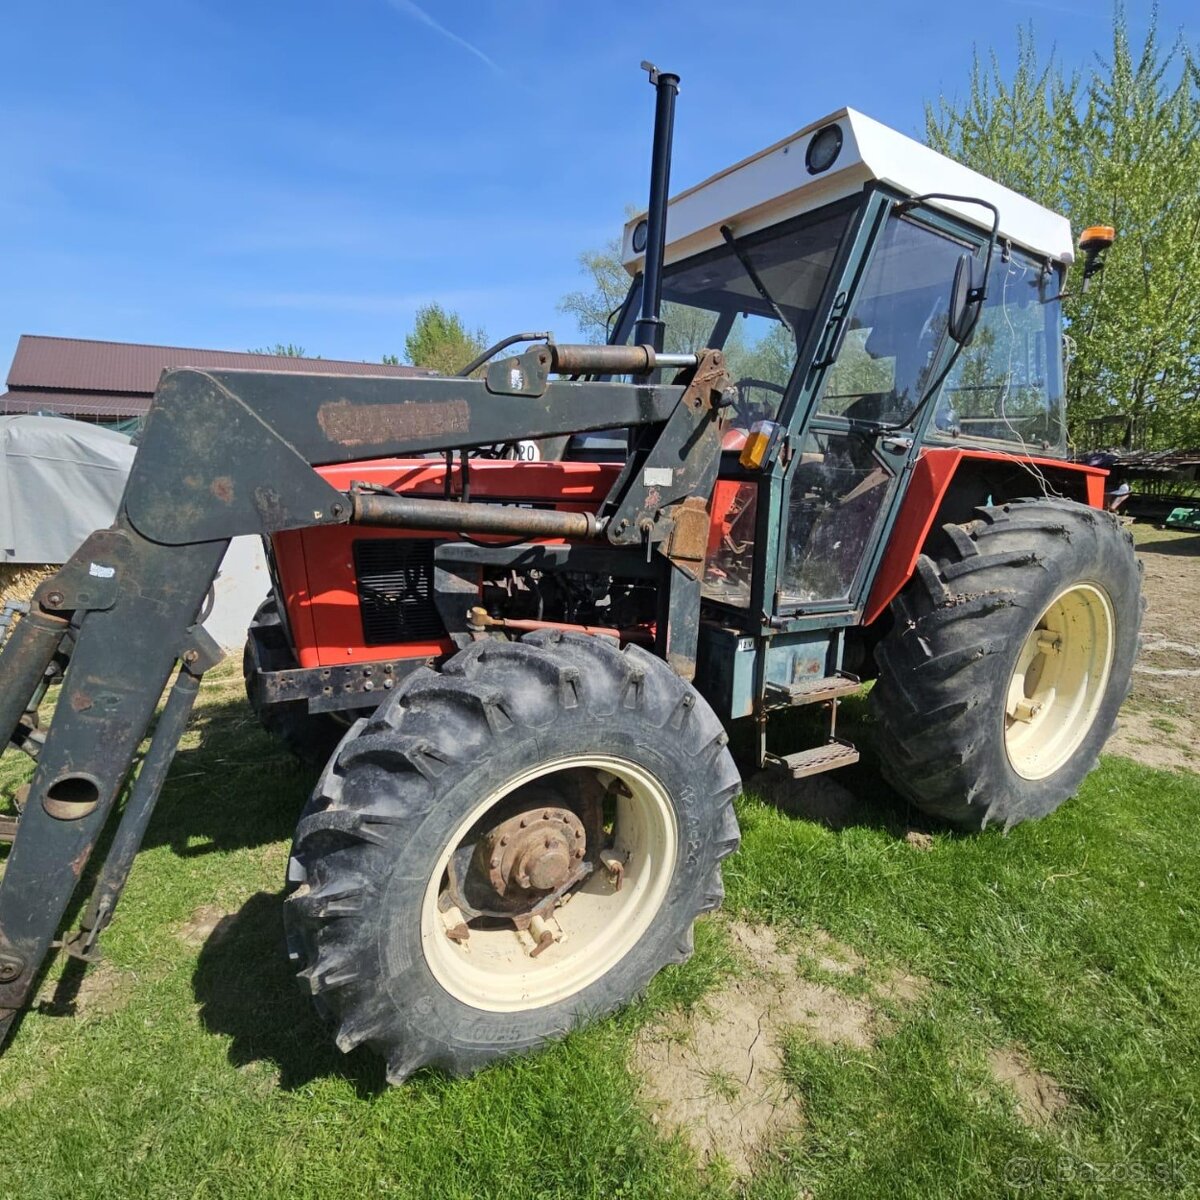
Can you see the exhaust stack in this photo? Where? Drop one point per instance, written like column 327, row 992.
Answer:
column 649, row 328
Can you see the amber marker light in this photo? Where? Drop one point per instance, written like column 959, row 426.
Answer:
column 1096, row 238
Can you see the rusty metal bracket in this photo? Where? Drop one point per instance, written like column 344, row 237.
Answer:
column 526, row 374
column 91, row 580
column 687, row 543
column 681, row 464
column 329, row 689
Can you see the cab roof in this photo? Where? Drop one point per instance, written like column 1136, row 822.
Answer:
column 776, row 184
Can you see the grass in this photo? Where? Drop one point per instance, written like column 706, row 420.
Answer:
column 193, row 1066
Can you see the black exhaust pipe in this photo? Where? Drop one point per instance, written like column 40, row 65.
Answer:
column 649, row 328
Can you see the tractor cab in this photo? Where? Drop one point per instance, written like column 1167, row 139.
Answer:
column 825, row 268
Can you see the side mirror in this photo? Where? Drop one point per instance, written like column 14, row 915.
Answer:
column 966, row 300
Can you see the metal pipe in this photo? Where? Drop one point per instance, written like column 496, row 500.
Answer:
column 479, row 620
column 613, row 360
column 411, row 512
column 23, row 661
column 649, row 327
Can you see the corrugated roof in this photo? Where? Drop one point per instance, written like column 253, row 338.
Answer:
column 79, row 364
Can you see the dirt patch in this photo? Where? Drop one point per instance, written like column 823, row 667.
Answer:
column 80, row 992
column 1039, row 1097
column 918, row 840
column 1157, row 723
column 715, row 1074
column 201, row 925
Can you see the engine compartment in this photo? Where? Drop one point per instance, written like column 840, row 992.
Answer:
column 353, row 594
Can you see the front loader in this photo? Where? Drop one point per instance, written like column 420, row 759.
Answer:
column 513, row 617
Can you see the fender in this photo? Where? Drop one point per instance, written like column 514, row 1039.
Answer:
column 932, row 474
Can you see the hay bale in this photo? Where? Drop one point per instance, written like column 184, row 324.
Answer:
column 18, row 581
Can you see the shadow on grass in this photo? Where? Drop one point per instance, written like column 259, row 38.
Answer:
column 238, row 788
column 247, row 991
column 855, row 796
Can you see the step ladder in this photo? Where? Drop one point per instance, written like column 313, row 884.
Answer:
column 833, row 753
column 817, row 690
column 837, row 752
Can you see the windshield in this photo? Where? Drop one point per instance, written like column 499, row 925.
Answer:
column 713, row 301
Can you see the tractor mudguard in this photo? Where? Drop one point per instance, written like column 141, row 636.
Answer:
column 924, row 502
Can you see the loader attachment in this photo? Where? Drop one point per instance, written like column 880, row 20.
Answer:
column 226, row 453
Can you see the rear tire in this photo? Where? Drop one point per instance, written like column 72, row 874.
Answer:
column 500, row 722
column 1010, row 653
column 311, row 737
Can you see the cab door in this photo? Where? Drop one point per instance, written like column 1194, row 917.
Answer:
column 883, row 347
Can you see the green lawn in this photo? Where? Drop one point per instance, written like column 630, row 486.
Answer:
column 194, row 1067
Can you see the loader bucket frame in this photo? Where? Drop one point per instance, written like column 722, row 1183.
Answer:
column 226, row 453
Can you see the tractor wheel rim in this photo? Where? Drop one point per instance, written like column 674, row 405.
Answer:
column 1059, row 681
column 597, row 926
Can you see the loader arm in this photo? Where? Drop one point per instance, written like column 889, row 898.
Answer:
column 226, row 453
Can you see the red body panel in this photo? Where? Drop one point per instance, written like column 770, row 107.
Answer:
column 315, row 567
column 931, row 476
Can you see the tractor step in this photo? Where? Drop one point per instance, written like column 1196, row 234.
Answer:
column 813, row 691
column 835, row 753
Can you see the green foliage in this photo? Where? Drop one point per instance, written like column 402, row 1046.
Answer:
column 608, row 281
column 440, row 342
column 390, row 360
column 751, row 354
column 282, row 350
column 1117, row 145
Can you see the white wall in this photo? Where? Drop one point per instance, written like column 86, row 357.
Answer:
column 241, row 587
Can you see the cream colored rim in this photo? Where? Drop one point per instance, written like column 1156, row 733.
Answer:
column 594, row 929
column 1059, row 681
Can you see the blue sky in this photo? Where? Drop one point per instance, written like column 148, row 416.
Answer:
column 231, row 174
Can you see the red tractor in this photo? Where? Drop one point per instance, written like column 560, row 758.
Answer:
column 513, row 616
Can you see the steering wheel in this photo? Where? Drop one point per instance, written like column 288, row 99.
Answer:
column 746, row 384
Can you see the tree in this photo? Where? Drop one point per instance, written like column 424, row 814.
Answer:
column 593, row 306
column 608, row 281
column 440, row 342
column 279, row 350
column 1117, row 145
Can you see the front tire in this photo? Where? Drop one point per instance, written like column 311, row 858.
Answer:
column 1011, row 651
column 541, row 730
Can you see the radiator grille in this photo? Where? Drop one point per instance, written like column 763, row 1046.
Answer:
column 395, row 590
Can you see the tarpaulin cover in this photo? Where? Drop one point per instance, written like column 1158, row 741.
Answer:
column 59, row 480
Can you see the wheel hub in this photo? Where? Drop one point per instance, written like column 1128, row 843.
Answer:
column 549, row 881
column 534, row 850
column 1059, row 680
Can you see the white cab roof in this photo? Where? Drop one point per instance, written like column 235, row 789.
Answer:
column 775, row 184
